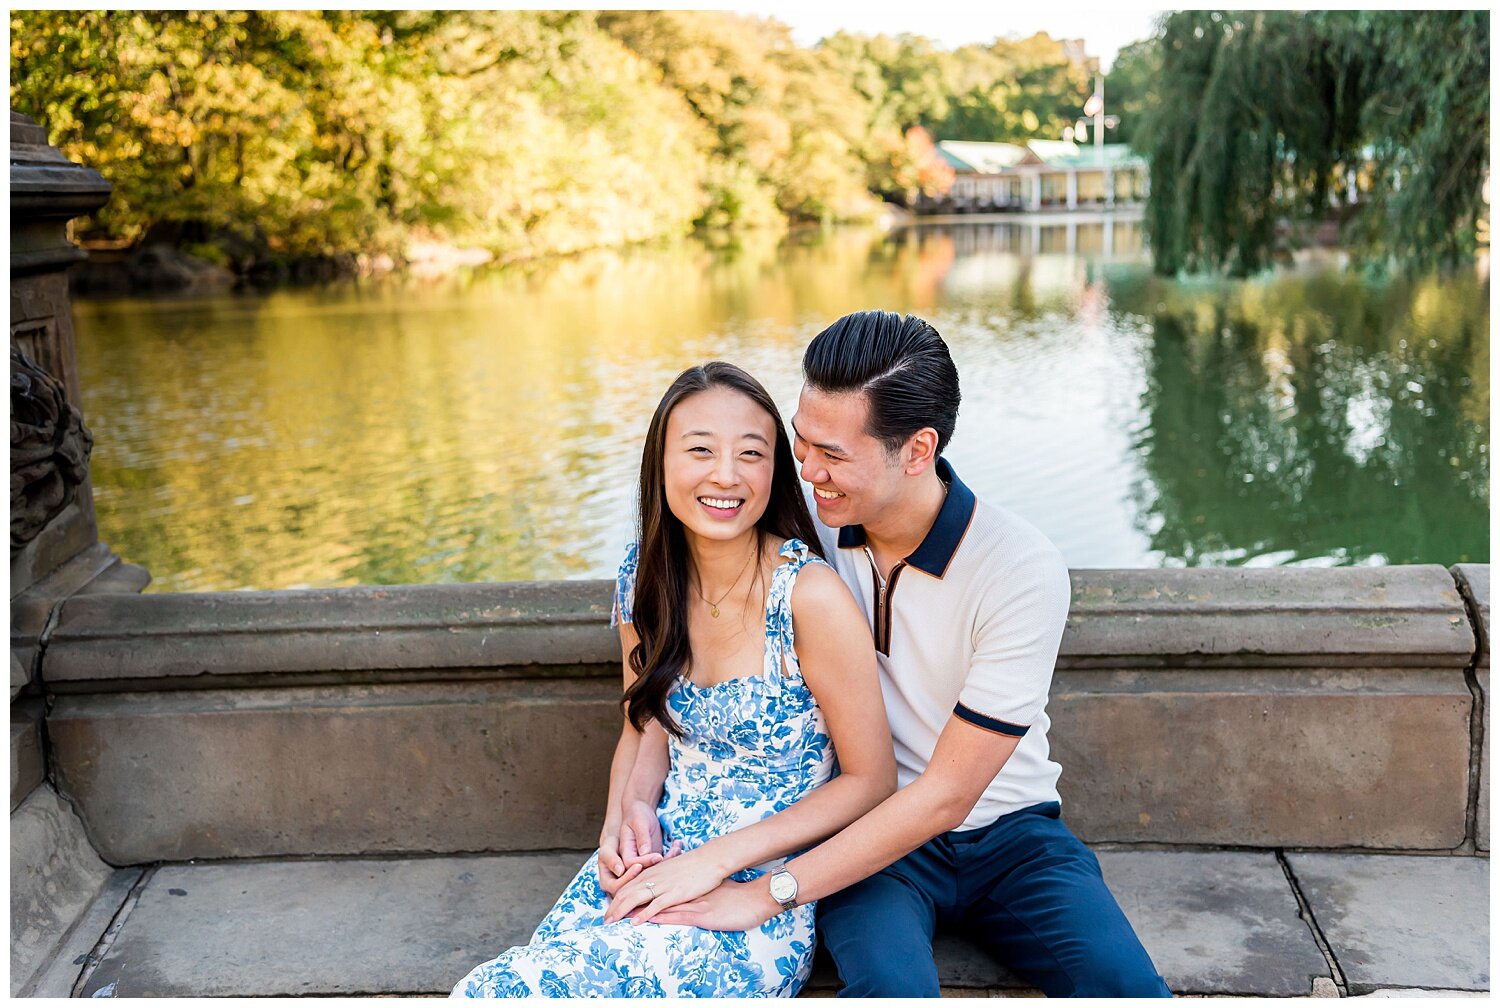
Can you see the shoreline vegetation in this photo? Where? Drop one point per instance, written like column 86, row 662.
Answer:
column 260, row 147
column 114, row 269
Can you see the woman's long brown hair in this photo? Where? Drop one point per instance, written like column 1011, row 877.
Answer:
column 660, row 608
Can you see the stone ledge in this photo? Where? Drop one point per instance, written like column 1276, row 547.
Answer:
column 1275, row 758
column 1409, row 992
column 414, row 768
column 44, row 183
column 1227, row 618
column 1267, row 618
column 446, row 767
column 201, row 638
column 19, row 677
column 499, row 683
column 1217, row 922
column 71, row 533
column 94, row 570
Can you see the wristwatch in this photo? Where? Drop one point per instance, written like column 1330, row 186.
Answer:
column 784, row 888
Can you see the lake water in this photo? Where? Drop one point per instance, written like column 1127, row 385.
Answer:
column 487, row 427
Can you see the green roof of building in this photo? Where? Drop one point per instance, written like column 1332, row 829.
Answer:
column 1089, row 156
column 978, row 156
column 985, row 158
column 1051, row 150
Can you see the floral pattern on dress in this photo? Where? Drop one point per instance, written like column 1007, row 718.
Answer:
column 751, row 747
column 620, row 612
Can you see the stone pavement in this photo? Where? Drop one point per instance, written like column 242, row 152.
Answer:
column 1216, row 923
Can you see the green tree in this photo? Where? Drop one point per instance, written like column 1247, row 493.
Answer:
column 1424, row 112
column 1008, row 90
column 1268, row 115
column 1130, row 88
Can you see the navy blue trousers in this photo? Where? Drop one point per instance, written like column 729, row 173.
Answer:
column 1024, row 888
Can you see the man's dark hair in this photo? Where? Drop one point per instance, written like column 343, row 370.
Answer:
column 902, row 367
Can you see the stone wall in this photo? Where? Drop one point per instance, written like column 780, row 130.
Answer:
column 54, row 554
column 1338, row 709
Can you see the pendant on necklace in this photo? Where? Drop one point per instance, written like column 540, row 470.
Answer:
column 714, row 611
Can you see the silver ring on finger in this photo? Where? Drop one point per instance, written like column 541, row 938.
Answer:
column 651, row 888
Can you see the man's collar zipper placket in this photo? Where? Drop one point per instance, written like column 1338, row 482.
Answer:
column 884, row 589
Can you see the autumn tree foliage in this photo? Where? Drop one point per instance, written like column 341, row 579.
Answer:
column 294, row 133
column 918, row 168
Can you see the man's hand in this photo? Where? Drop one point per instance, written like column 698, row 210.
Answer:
column 640, row 840
column 733, row 906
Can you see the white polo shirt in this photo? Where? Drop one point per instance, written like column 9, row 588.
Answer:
column 971, row 626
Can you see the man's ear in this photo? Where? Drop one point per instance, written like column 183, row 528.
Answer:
column 920, row 451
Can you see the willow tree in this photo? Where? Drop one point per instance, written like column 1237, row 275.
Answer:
column 1376, row 118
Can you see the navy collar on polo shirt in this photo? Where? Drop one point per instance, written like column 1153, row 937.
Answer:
column 936, row 551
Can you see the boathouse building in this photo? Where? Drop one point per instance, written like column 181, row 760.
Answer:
column 1037, row 176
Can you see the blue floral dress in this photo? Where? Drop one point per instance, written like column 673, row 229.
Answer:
column 752, row 746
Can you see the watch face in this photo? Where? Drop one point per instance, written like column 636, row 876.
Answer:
column 783, row 886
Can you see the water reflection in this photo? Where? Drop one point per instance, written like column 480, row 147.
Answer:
column 487, row 426
column 1314, row 419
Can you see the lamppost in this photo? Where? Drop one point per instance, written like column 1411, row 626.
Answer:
column 1094, row 109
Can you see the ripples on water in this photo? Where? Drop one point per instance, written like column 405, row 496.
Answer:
column 487, row 427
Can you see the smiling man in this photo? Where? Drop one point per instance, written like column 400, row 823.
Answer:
column 966, row 604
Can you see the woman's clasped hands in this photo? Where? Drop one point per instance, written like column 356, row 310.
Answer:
column 642, row 879
column 675, row 878
column 625, row 854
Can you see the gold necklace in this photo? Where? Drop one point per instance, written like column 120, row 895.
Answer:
column 713, row 607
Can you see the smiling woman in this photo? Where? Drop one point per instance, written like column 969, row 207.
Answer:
column 718, row 454
column 707, row 446
column 736, row 703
